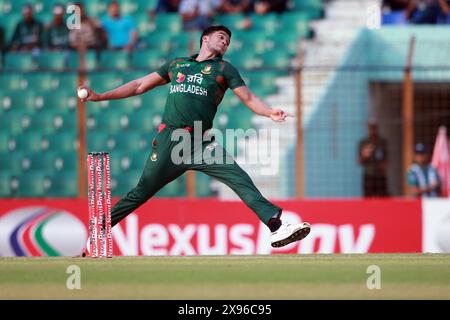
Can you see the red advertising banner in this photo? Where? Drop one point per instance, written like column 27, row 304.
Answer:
column 212, row 227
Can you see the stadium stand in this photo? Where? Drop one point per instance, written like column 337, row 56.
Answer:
column 38, row 106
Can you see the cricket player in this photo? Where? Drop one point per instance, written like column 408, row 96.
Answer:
column 197, row 86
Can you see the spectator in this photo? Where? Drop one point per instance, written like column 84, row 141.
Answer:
column 394, row 11
column 28, row 34
column 89, row 36
column 423, row 179
column 444, row 16
column 2, row 38
column 236, row 6
column 198, row 14
column 423, row 11
column 266, row 6
column 167, row 6
column 373, row 158
column 57, row 31
column 121, row 31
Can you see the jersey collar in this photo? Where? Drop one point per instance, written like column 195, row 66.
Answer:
column 217, row 58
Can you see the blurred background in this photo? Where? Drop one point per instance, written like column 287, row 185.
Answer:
column 369, row 82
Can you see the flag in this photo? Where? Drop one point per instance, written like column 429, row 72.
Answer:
column 441, row 160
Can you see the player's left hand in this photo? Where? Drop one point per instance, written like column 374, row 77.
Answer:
column 279, row 115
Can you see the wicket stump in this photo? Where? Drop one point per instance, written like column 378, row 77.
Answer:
column 99, row 204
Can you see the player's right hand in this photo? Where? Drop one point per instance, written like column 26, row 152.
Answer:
column 92, row 96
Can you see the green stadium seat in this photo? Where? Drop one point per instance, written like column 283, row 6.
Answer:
column 19, row 61
column 132, row 161
column 288, row 42
column 240, row 118
column 63, row 141
column 123, row 183
column 115, row 60
column 130, row 75
column 268, row 23
column 14, row 123
column 54, row 60
column 112, row 121
column 262, row 78
column 100, row 141
column 42, row 82
column 43, row 122
column 131, row 141
column 170, row 22
column 183, row 41
column 128, row 105
column 114, row 164
column 33, row 184
column 4, row 141
column 95, row 8
column 143, row 23
column 104, row 81
column 5, row 185
column 276, row 59
column 66, row 81
column 73, row 61
column 296, row 22
column 251, row 39
column 61, row 101
column 63, row 184
column 220, row 120
column 176, row 53
column 42, row 161
column 244, row 60
column 161, row 42
column 24, row 101
column 232, row 21
column 65, row 162
column 9, row 22
column 13, row 82
column 129, row 7
column 313, row 8
column 149, row 59
column 11, row 162
column 145, row 5
column 144, row 120
column 30, row 142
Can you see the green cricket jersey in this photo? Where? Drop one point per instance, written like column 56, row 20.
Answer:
column 196, row 89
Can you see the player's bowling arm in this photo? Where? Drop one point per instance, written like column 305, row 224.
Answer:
column 133, row 88
column 258, row 106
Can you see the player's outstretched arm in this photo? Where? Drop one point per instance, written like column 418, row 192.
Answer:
column 258, row 106
column 129, row 89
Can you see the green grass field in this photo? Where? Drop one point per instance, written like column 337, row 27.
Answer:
column 403, row 276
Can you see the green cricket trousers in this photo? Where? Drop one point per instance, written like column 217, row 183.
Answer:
column 208, row 157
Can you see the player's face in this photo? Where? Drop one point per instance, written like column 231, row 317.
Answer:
column 218, row 42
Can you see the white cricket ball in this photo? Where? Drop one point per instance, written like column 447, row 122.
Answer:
column 82, row 93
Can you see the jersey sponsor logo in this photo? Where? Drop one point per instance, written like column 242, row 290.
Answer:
column 180, row 77
column 190, row 88
column 207, row 69
column 183, row 65
column 198, row 77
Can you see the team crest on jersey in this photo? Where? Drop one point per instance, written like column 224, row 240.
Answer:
column 154, row 156
column 207, row 69
column 180, row 77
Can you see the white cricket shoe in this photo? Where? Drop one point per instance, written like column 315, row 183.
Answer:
column 288, row 233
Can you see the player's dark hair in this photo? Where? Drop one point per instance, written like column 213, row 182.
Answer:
column 212, row 29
